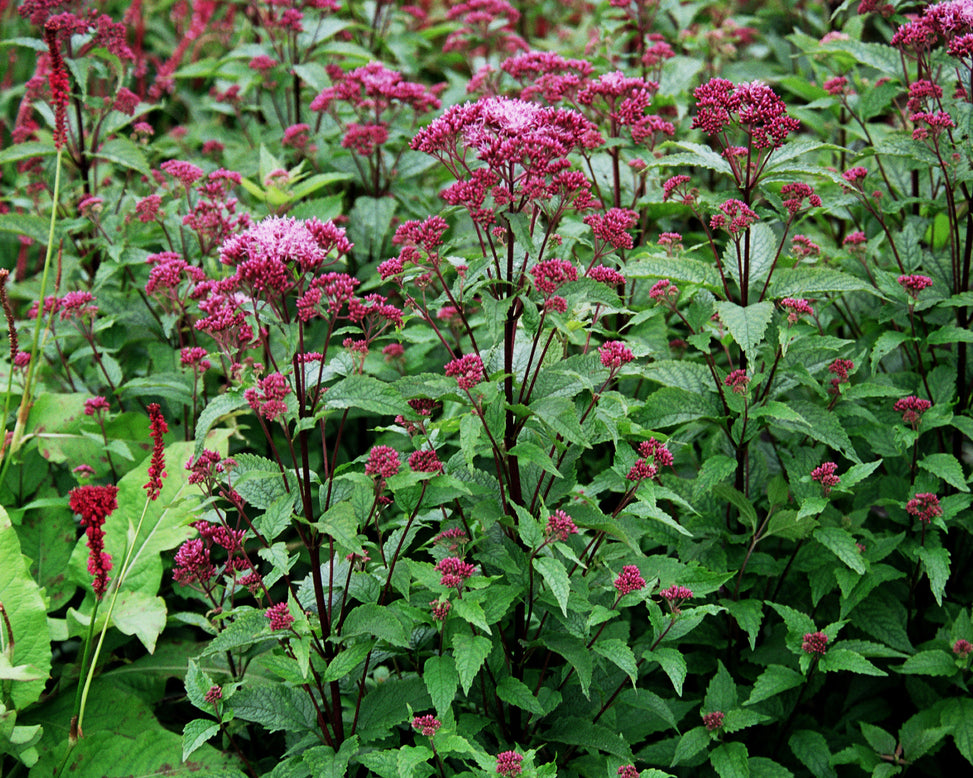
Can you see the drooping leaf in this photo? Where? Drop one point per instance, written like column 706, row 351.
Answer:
column 469, row 651
column 775, row 680
column 747, row 324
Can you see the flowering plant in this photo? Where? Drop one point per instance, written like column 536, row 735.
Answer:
column 390, row 394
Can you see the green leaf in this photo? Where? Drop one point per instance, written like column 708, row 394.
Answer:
column 929, row 663
column 576, row 652
column 220, row 406
column 935, row 562
column 691, row 376
column 749, row 615
column 947, row 467
column 798, row 623
column 323, row 762
column 19, row 151
column 811, row 748
column 841, row 543
column 838, row 659
column 721, row 693
column 690, row 744
column 821, row 425
column 276, row 707
column 694, row 155
column 518, row 694
column 559, row 414
column 673, row 664
column 374, row 619
column 748, row 514
column 746, row 325
column 387, row 706
column 556, row 577
column 530, row 452
column 350, row 657
column 441, row 679
column 730, row 760
column 124, row 152
column 140, row 614
column 619, row 654
column 471, row 612
column 24, row 606
column 813, row 281
column 958, row 716
column 246, row 628
column 369, row 222
column 715, row 470
column 880, row 740
column 365, row 393
column 680, row 271
column 469, row 651
column 195, row 733
column 775, row 680
column 577, row 731
column 671, row 405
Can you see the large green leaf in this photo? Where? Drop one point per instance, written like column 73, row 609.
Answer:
column 22, row 601
column 747, row 324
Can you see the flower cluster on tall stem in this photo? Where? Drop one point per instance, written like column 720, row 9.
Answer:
column 157, row 467
column 94, row 504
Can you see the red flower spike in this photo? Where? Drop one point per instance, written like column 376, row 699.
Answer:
column 157, row 467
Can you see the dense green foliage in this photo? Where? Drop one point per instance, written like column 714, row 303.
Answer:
column 582, row 390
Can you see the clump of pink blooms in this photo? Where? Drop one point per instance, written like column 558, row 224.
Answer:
column 629, row 580
column 924, row 506
column 814, row 643
column 454, row 572
column 824, row 474
column 912, row 408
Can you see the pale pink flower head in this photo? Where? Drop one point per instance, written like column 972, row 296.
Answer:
column 962, row 648
column 796, row 308
column 267, row 399
column 425, row 461
column 627, row 771
column 738, row 381
column 676, row 596
column 612, row 226
column 95, row 406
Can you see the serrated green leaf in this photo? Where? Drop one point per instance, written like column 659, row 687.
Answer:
column 276, row 707
column 935, row 563
column 746, row 325
column 680, row 271
column 441, row 679
column 471, row 612
column 518, row 694
column 576, row 652
column 798, row 623
column 556, row 577
column 559, row 415
column 690, row 744
column 958, row 716
column 694, row 155
column 880, row 740
column 721, row 693
column 195, row 733
column 347, row 660
column 124, row 152
column 841, row 543
column 841, row 659
column 374, row 619
column 577, row 731
column 469, row 651
column 715, row 470
column 811, row 748
column 619, row 654
column 365, row 393
column 244, row 630
column 748, row 514
column 220, row 406
column 690, row 376
column 749, row 615
column 947, row 467
column 531, row 452
column 813, row 281
column 775, row 680
column 730, row 760
column 929, row 663
column 673, row 664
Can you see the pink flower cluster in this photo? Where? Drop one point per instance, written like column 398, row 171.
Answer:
column 738, row 381
column 814, row 643
column 425, row 461
column 915, row 283
column 824, row 474
column 840, row 369
column 924, row 506
column 428, row 725
column 796, row 308
column 157, row 467
column 912, row 408
column 735, row 217
column 455, row 572
column 629, row 580
column 94, row 504
column 560, row 525
column 383, row 462
column 614, row 354
column 279, row 616
column 268, row 398
column 676, row 596
column 713, row 721
column 468, row 371
column 722, row 105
